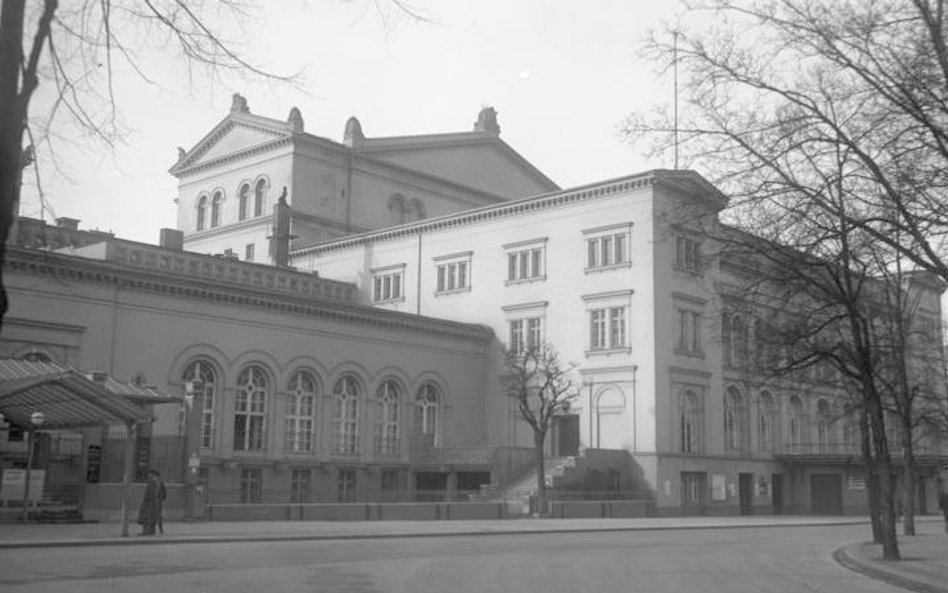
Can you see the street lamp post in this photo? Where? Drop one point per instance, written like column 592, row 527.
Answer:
column 36, row 420
column 194, row 405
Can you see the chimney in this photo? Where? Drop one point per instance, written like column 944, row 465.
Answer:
column 280, row 238
column 171, row 239
column 70, row 224
column 99, row 377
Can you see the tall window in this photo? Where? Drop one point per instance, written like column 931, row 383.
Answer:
column 525, row 264
column 765, row 423
column 345, row 416
column 526, row 334
column 388, row 286
column 851, row 434
column 244, row 202
column 250, row 409
column 216, row 203
column 689, row 422
column 687, row 254
column 346, row 485
column 387, row 419
column 607, row 328
column 795, row 425
column 427, row 402
column 823, row 423
column 259, row 194
column 734, row 340
column 202, row 371
column 300, row 482
column 733, row 420
column 300, row 423
column 689, row 331
column 249, row 252
column 201, row 213
column 251, row 485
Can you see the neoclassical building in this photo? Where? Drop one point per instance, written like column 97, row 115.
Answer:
column 342, row 340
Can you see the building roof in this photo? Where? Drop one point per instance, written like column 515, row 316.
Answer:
column 67, row 397
column 682, row 181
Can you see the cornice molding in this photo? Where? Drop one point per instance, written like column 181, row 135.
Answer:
column 44, row 263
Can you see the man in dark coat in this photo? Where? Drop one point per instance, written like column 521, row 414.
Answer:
column 150, row 508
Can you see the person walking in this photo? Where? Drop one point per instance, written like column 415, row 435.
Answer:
column 150, row 509
column 162, row 495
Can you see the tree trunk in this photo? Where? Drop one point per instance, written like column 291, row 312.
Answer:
column 890, row 543
column 872, row 481
column 908, row 477
column 539, row 439
column 12, row 121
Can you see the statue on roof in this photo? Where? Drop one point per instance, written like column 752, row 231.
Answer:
column 487, row 121
column 295, row 120
column 353, row 134
column 238, row 104
column 181, row 153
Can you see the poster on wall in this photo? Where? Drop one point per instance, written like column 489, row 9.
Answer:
column 718, row 487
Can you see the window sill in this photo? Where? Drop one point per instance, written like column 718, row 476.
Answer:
column 608, row 352
column 453, row 291
column 525, row 280
column 400, row 299
column 690, row 353
column 608, row 268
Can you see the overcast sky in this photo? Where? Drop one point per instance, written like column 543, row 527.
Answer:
column 562, row 76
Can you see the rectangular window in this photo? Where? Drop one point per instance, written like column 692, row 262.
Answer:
column 606, row 246
column 525, row 334
column 300, row 485
column 251, row 485
column 687, row 255
column 516, row 342
column 346, row 487
column 607, row 328
column 248, row 252
column 534, row 333
column 689, row 330
column 525, row 264
column 387, row 286
column 453, row 276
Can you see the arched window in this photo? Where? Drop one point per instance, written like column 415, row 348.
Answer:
column 427, row 402
column 397, row 209
column 300, row 423
column 733, row 420
column 387, row 418
column 259, row 195
column 244, row 202
column 765, row 423
column 345, row 416
column 216, row 209
column 795, row 425
column 200, row 377
column 201, row 213
column 851, row 434
column 689, row 419
column 415, row 210
column 823, row 426
column 250, row 409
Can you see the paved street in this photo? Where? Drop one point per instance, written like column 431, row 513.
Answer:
column 764, row 559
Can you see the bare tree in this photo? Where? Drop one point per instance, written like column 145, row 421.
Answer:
column 542, row 387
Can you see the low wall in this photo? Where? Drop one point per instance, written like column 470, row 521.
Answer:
column 598, row 509
column 376, row 511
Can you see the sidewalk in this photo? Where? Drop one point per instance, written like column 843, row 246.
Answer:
column 924, row 564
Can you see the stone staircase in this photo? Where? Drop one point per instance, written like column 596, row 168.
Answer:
column 518, row 493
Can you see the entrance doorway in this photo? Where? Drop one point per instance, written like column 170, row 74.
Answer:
column 826, row 494
column 745, row 493
column 693, row 489
column 776, row 493
column 566, row 435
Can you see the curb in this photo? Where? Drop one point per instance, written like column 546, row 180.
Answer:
column 844, row 557
column 211, row 539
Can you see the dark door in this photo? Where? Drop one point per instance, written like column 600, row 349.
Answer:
column 745, row 492
column 566, row 435
column 826, row 494
column 693, row 488
column 776, row 493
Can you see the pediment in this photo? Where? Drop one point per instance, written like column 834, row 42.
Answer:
column 230, row 137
